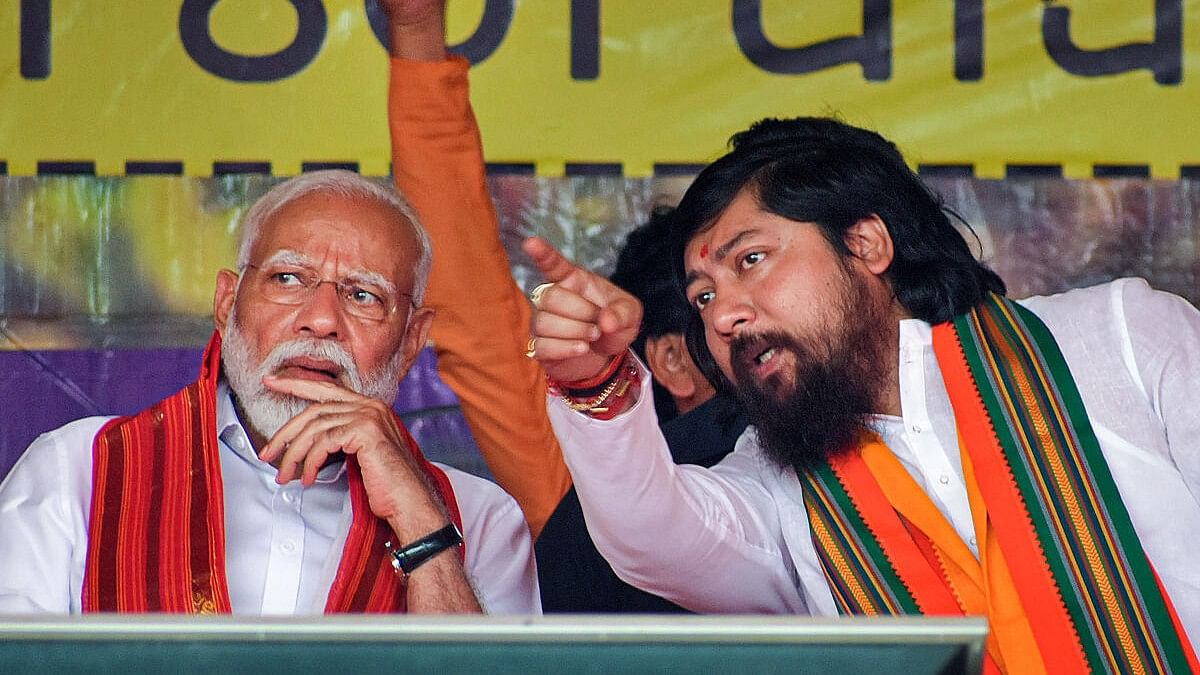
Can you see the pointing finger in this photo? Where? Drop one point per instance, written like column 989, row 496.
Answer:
column 553, row 265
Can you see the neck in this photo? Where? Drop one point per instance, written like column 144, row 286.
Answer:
column 888, row 402
column 889, row 398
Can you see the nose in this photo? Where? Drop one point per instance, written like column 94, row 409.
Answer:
column 731, row 312
column 321, row 315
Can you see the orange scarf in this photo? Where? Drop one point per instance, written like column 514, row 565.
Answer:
column 1061, row 575
column 978, row 587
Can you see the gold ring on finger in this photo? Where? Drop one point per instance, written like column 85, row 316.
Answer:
column 535, row 296
column 531, row 348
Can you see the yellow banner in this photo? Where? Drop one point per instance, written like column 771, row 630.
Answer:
column 191, row 85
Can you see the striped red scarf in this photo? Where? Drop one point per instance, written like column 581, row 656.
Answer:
column 156, row 538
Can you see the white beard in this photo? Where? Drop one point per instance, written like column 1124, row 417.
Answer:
column 267, row 411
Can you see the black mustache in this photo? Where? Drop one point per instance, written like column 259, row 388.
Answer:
column 745, row 347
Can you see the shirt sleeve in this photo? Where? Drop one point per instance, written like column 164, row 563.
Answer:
column 44, row 502
column 482, row 321
column 499, row 560
column 709, row 540
column 1163, row 346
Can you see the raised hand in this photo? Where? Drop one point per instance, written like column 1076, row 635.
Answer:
column 581, row 320
column 417, row 28
column 409, row 12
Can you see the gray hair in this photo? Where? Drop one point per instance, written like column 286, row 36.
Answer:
column 343, row 184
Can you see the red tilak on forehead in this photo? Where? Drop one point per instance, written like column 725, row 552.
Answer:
column 704, row 251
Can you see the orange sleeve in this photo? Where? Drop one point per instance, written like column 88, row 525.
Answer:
column 482, row 321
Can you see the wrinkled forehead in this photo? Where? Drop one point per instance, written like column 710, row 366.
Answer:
column 288, row 259
column 348, row 233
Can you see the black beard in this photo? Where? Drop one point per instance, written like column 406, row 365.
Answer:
column 836, row 385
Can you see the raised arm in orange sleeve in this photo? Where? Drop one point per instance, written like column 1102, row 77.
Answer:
column 482, row 321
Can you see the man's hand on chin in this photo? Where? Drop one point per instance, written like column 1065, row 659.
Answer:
column 340, row 420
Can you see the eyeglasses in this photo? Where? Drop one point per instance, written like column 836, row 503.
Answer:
column 294, row 285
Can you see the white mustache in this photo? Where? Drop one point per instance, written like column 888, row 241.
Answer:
column 267, row 411
column 314, row 348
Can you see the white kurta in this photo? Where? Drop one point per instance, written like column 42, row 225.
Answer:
column 735, row 538
column 283, row 542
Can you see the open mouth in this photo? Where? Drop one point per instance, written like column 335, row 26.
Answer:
column 765, row 356
column 758, row 357
column 768, row 361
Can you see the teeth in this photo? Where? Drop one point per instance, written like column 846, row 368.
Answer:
column 765, row 356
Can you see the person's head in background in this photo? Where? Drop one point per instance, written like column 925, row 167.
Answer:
column 644, row 270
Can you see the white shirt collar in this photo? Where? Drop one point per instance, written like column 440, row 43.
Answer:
column 915, row 336
column 915, row 333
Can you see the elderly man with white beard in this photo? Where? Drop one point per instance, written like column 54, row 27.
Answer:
column 281, row 481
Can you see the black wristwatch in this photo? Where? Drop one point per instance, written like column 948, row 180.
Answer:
column 411, row 557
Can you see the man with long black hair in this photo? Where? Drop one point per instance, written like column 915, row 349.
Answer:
column 921, row 444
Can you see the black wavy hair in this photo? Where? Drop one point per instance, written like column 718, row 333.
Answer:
column 827, row 172
column 644, row 269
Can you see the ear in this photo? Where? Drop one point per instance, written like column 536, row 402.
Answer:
column 870, row 242
column 223, row 298
column 669, row 363
column 416, row 336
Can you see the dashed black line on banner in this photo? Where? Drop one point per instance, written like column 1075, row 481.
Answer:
column 1012, row 171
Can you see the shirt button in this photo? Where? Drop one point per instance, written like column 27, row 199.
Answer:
column 287, row 497
column 973, row 542
column 944, row 479
column 916, row 429
column 288, row 546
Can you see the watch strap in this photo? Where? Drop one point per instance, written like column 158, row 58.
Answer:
column 409, row 558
